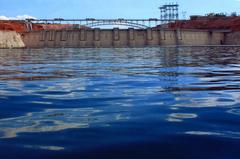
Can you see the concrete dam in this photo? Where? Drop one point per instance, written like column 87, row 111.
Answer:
column 88, row 38
column 84, row 33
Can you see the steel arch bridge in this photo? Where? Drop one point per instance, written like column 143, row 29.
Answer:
column 117, row 23
column 92, row 23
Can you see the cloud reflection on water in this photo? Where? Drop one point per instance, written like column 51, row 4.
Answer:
column 224, row 134
column 53, row 120
column 179, row 117
column 206, row 99
column 50, row 148
column 158, row 87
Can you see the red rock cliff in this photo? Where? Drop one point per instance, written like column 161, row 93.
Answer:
column 231, row 23
column 20, row 26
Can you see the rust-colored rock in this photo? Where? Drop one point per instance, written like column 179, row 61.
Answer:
column 231, row 23
column 20, row 26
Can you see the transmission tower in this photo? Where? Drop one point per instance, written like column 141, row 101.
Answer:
column 169, row 12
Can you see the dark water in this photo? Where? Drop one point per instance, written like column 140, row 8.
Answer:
column 147, row 103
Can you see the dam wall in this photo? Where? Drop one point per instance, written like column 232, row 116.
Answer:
column 11, row 39
column 87, row 38
column 233, row 38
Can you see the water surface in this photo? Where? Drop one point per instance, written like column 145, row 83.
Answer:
column 145, row 103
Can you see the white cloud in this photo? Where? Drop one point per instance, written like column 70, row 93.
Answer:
column 18, row 17
column 3, row 17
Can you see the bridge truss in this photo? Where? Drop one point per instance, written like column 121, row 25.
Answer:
column 93, row 23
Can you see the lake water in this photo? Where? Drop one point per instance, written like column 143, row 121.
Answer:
column 144, row 103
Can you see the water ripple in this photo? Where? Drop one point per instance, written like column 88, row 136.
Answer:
column 53, row 120
column 50, row 148
column 179, row 117
column 112, row 97
column 223, row 134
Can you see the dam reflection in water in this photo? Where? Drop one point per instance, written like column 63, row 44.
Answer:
column 120, row 103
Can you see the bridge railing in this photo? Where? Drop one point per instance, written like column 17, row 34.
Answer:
column 91, row 22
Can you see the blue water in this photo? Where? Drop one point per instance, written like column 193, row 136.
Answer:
column 145, row 103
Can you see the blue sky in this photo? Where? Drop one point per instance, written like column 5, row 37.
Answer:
column 109, row 8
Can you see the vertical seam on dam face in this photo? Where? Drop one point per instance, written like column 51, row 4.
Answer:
column 42, row 36
column 116, row 37
column 97, row 32
column 162, row 34
column 63, row 35
column 82, row 35
column 121, row 38
column 149, row 34
column 51, row 35
column 131, row 37
column 116, row 34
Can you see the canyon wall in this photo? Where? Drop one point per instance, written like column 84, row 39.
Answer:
column 11, row 39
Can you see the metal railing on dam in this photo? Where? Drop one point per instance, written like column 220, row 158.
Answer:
column 87, row 38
